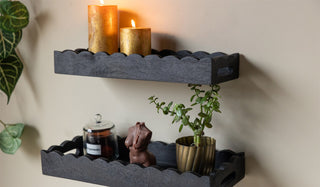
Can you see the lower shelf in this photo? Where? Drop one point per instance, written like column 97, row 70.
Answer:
column 229, row 167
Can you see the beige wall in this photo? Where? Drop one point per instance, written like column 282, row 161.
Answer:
column 271, row 112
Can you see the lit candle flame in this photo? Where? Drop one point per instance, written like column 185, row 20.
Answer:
column 133, row 23
column 102, row 2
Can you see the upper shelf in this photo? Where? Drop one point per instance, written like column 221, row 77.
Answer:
column 166, row 66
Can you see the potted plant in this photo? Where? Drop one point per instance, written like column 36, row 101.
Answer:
column 194, row 153
column 14, row 16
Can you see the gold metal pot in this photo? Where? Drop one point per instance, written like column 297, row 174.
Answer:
column 198, row 159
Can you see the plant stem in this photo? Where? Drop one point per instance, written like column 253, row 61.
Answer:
column 4, row 125
column 197, row 140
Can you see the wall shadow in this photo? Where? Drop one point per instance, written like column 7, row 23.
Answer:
column 255, row 167
column 38, row 21
column 162, row 41
column 248, row 97
column 30, row 141
column 248, row 101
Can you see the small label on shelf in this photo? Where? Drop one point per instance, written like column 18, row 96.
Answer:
column 93, row 149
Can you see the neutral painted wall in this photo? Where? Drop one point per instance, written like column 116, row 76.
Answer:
column 271, row 112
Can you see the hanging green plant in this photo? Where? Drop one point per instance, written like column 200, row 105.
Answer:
column 10, row 71
column 14, row 16
column 8, row 42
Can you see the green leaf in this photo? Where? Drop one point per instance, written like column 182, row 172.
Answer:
column 170, row 104
column 192, row 97
column 185, row 120
column 208, row 125
column 196, row 121
column 197, row 91
column 151, row 98
column 181, row 105
column 165, row 110
column 205, row 108
column 216, row 105
column 188, row 109
column 10, row 71
column 204, row 99
column 194, row 104
column 16, row 130
column 208, row 119
column 209, row 103
column 14, row 15
column 10, row 138
column 198, row 100
column 179, row 112
column 8, row 42
column 203, row 115
column 215, row 87
column 176, row 119
column 217, row 110
column 175, row 107
column 208, row 93
column 193, row 86
column 181, row 126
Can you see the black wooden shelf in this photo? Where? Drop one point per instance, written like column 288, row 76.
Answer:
column 166, row 66
column 229, row 167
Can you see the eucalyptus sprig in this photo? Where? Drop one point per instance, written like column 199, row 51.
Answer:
column 207, row 102
column 14, row 16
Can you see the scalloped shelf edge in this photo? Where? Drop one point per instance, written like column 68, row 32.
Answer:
column 229, row 168
column 165, row 66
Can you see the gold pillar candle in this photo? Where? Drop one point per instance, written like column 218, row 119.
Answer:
column 135, row 40
column 103, row 28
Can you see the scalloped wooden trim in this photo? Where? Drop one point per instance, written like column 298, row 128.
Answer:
column 166, row 66
column 228, row 171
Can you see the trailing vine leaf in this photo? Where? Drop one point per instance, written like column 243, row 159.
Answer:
column 14, row 15
column 10, row 71
column 10, row 138
column 8, row 42
column 15, row 130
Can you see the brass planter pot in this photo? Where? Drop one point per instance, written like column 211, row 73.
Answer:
column 196, row 159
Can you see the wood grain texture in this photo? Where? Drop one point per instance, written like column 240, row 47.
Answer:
column 229, row 168
column 166, row 66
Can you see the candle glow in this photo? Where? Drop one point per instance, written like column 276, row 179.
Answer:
column 133, row 24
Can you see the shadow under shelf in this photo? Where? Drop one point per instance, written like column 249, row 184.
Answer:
column 165, row 66
column 229, row 167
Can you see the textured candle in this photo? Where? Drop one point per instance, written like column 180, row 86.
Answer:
column 135, row 40
column 103, row 28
